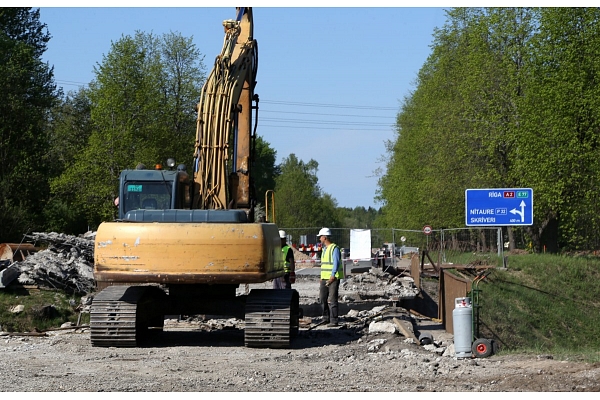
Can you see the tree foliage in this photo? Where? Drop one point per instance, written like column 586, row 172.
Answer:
column 357, row 217
column 561, row 130
column 141, row 110
column 265, row 168
column 299, row 200
column 507, row 98
column 61, row 156
column 70, row 129
column 28, row 94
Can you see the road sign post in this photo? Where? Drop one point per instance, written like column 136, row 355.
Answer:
column 498, row 207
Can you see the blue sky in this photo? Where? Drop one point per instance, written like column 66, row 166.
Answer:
column 330, row 79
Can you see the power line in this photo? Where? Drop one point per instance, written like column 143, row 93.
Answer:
column 297, row 103
column 312, row 121
column 370, row 125
column 291, row 103
column 71, row 83
column 327, row 115
column 327, row 128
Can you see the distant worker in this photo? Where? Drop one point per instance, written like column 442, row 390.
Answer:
column 332, row 271
column 289, row 265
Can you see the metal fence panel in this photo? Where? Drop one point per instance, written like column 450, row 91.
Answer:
column 477, row 246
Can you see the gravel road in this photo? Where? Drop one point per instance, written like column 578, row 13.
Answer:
column 209, row 356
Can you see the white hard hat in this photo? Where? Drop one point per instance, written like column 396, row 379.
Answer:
column 282, row 234
column 324, row 232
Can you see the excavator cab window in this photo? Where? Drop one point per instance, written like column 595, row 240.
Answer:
column 149, row 195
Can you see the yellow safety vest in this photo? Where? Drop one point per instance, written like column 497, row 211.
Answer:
column 327, row 263
column 286, row 265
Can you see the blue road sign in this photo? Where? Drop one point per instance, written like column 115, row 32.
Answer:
column 498, row 207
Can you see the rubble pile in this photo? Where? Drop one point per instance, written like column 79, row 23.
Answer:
column 377, row 285
column 66, row 264
column 300, row 256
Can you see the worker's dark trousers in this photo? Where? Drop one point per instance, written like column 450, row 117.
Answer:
column 328, row 296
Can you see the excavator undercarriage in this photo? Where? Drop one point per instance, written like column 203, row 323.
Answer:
column 126, row 316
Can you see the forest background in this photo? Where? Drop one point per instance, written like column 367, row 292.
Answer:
column 508, row 98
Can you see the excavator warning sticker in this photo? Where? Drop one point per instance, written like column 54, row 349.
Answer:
column 134, row 188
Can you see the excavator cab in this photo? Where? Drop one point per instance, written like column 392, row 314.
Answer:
column 153, row 190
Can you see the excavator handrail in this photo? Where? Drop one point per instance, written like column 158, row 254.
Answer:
column 272, row 193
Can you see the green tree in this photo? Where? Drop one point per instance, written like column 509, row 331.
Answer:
column 299, row 200
column 265, row 169
column 28, row 94
column 182, row 74
column 70, row 129
column 561, row 132
column 509, row 97
column 142, row 103
column 428, row 150
column 458, row 129
column 357, row 217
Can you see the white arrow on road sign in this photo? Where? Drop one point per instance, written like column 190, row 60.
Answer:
column 521, row 213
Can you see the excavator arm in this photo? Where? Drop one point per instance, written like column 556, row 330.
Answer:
column 224, row 137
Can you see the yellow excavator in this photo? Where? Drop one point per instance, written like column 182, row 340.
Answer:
column 183, row 245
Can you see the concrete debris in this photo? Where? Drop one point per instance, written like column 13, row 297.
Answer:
column 377, row 285
column 375, row 345
column 378, row 309
column 450, row 351
column 66, row 264
column 17, row 309
column 201, row 323
column 434, row 349
column 382, row 327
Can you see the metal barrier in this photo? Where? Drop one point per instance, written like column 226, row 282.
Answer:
column 451, row 287
column 478, row 246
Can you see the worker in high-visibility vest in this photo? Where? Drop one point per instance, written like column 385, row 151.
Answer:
column 289, row 266
column 332, row 271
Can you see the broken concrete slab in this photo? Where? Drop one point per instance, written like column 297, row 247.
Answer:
column 382, row 327
column 375, row 285
column 66, row 264
column 17, row 309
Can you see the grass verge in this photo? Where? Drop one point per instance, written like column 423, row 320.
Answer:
column 42, row 309
column 544, row 303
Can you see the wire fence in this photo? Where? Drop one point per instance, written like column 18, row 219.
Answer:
column 484, row 245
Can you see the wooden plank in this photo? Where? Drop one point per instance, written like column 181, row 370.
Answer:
column 404, row 329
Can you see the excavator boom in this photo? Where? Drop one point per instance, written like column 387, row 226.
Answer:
column 222, row 155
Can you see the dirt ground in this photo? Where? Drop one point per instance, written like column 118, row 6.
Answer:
column 208, row 355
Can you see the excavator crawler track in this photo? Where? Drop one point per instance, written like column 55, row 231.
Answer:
column 115, row 319
column 272, row 318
